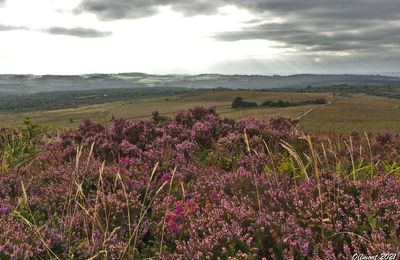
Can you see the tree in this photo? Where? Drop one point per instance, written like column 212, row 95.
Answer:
column 237, row 102
column 267, row 103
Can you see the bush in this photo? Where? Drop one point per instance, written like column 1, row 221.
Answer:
column 238, row 102
column 282, row 103
column 19, row 147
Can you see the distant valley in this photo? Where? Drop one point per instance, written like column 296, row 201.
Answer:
column 24, row 84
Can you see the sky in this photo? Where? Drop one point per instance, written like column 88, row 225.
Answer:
column 199, row 36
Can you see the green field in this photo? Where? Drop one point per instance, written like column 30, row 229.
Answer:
column 342, row 114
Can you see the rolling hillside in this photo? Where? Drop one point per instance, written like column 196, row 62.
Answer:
column 18, row 84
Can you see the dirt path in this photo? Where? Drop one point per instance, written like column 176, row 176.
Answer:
column 305, row 113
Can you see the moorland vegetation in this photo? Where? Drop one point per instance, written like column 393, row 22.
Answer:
column 197, row 186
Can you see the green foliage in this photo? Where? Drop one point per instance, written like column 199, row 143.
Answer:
column 238, row 102
column 282, row 103
column 393, row 168
column 18, row 147
column 222, row 161
column 346, row 90
column 75, row 98
column 157, row 118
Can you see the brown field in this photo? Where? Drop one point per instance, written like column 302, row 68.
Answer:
column 342, row 114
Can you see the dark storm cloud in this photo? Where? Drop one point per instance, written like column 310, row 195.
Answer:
column 78, row 32
column 358, row 26
column 113, row 10
column 343, row 9
column 314, row 25
column 321, row 38
column 122, row 9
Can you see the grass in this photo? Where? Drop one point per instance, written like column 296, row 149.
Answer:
column 360, row 113
column 342, row 114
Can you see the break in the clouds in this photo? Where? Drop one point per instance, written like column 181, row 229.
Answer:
column 78, row 32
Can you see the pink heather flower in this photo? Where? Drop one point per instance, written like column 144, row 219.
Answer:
column 173, row 223
column 304, row 248
column 180, row 215
column 126, row 160
column 126, row 147
column 4, row 210
column 179, row 209
column 166, row 177
column 173, row 228
column 184, row 146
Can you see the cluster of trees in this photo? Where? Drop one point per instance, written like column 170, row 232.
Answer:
column 390, row 91
column 283, row 103
column 238, row 102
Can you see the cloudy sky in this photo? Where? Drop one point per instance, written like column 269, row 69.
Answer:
column 199, row 36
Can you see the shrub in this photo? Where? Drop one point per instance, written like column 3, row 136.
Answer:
column 282, row 103
column 238, row 102
column 196, row 186
column 19, row 147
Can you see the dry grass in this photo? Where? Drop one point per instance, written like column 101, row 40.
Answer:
column 343, row 114
column 256, row 96
column 361, row 113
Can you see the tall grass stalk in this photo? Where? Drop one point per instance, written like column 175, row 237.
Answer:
column 292, row 152
column 143, row 212
column 246, row 139
column 314, row 160
column 32, row 223
column 270, row 156
column 165, row 216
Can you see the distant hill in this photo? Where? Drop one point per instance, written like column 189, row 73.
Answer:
column 45, row 83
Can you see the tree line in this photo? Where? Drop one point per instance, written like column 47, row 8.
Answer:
column 239, row 102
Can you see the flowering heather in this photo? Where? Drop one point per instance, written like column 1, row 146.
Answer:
column 197, row 186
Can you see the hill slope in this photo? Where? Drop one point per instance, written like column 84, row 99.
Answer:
column 44, row 83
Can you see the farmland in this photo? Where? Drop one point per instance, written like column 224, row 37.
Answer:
column 341, row 114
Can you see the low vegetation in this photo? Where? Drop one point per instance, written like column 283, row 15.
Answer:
column 283, row 103
column 358, row 112
column 66, row 99
column 390, row 91
column 19, row 147
column 199, row 186
column 238, row 102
